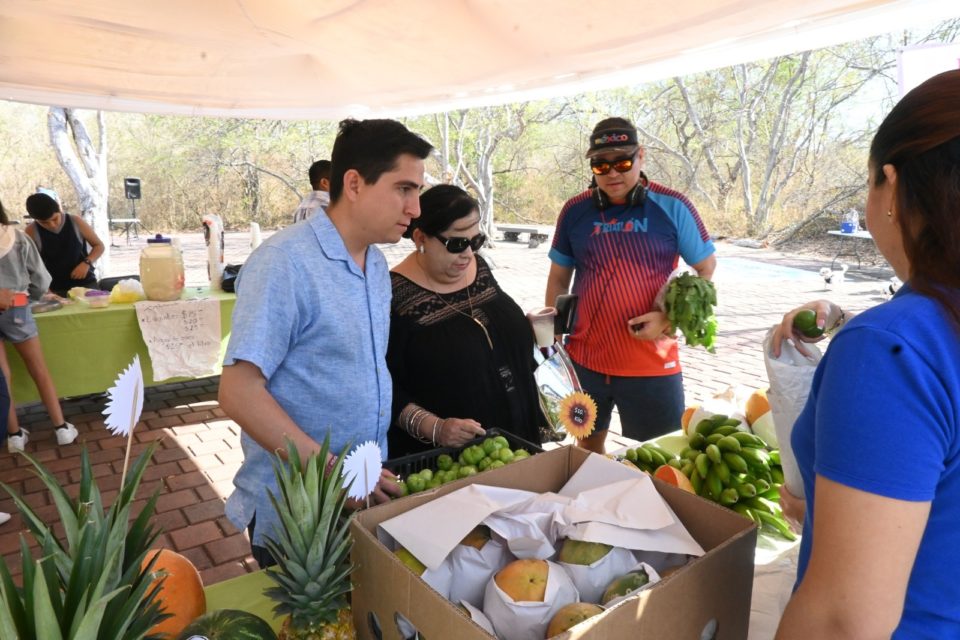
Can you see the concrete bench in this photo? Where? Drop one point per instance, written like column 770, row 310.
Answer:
column 511, row 233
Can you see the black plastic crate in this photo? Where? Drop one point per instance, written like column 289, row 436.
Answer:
column 414, row 462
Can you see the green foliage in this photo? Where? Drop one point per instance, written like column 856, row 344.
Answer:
column 312, row 544
column 88, row 586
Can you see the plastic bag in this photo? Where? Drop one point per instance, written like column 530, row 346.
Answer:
column 129, row 290
column 790, row 378
column 556, row 379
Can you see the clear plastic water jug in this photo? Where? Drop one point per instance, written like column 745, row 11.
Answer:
column 850, row 221
column 161, row 269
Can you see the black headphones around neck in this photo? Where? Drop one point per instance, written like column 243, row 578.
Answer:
column 635, row 198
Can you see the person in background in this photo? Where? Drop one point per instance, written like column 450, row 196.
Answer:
column 22, row 270
column 319, row 198
column 461, row 350
column 878, row 441
column 307, row 352
column 68, row 245
column 623, row 239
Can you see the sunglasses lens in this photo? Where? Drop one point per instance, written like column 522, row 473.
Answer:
column 458, row 245
column 600, row 169
column 603, row 167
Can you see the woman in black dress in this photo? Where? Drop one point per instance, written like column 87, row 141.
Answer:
column 461, row 350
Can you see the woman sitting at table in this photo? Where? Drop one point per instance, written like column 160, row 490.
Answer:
column 461, row 350
column 22, row 270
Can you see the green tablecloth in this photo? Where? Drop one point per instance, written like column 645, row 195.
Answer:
column 86, row 348
column 246, row 594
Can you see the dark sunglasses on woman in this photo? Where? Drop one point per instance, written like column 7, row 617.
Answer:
column 460, row 244
column 603, row 167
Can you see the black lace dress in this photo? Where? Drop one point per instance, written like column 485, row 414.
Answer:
column 441, row 360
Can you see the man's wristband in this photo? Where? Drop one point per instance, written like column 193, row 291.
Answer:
column 87, row 262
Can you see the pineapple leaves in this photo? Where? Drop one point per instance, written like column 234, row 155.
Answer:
column 46, row 619
column 89, row 585
column 312, row 544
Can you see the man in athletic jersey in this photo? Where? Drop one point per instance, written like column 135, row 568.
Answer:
column 623, row 239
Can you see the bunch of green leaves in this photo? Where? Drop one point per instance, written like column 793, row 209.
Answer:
column 689, row 303
column 90, row 585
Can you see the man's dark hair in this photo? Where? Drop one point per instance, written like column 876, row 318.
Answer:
column 40, row 206
column 371, row 147
column 3, row 215
column 318, row 171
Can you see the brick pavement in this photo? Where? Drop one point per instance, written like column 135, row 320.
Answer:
column 199, row 450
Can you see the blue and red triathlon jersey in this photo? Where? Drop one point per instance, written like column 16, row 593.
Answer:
column 621, row 257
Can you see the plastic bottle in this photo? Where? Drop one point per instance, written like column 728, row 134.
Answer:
column 161, row 269
column 255, row 237
column 850, row 223
column 213, row 236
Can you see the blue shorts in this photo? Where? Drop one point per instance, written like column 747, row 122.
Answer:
column 11, row 330
column 648, row 406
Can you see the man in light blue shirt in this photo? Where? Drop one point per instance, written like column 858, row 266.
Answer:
column 307, row 352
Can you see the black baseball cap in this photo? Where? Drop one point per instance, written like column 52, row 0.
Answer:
column 613, row 134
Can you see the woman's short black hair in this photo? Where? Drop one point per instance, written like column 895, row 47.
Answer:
column 440, row 207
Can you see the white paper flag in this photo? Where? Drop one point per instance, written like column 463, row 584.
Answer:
column 125, row 400
column 362, row 467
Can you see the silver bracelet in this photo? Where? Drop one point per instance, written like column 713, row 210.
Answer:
column 406, row 421
column 418, row 417
column 436, row 423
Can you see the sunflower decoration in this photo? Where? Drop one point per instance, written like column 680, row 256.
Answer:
column 578, row 414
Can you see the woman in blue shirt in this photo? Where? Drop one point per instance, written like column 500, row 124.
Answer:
column 878, row 443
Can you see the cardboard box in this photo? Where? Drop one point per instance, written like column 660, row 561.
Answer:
column 714, row 589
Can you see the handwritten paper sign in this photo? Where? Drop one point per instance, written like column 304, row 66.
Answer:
column 183, row 337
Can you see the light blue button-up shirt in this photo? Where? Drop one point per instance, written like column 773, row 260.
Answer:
column 317, row 327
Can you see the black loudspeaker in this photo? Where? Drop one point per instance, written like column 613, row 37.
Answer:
column 635, row 198
column 131, row 188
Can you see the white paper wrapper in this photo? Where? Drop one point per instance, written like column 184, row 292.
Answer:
column 531, row 528
column 439, row 578
column 528, row 620
column 661, row 561
column 790, row 378
column 477, row 616
column 652, row 574
column 472, row 568
column 592, row 580
column 638, row 518
column 448, row 520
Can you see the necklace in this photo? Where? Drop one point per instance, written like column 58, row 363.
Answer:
column 468, row 315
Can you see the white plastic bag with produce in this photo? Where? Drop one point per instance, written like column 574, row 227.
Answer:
column 790, row 378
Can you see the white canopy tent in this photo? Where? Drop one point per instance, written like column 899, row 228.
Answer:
column 332, row 58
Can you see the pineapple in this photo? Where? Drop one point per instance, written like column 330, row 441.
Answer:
column 91, row 584
column 312, row 549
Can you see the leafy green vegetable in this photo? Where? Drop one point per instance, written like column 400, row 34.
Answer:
column 689, row 303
